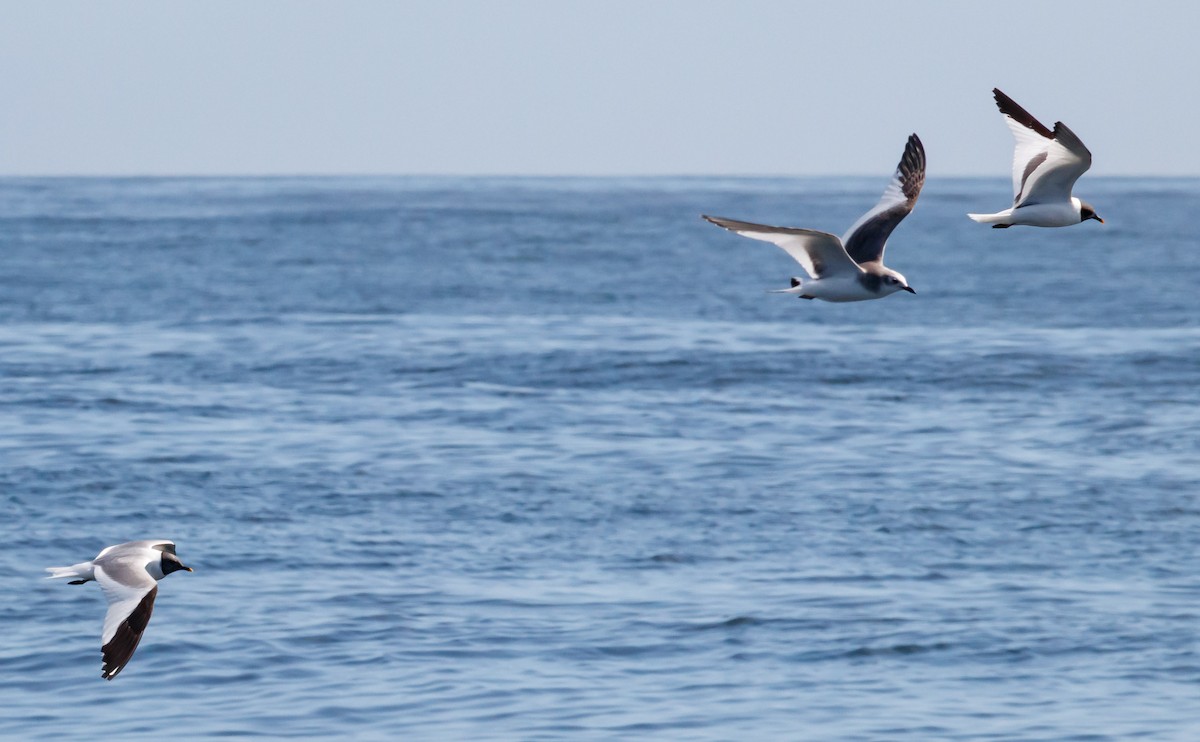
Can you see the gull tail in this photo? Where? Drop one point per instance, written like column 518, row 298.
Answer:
column 1002, row 217
column 82, row 572
column 797, row 288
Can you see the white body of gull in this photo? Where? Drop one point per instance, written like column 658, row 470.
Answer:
column 849, row 269
column 128, row 574
column 1046, row 165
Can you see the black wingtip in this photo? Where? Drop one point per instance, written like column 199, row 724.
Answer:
column 915, row 151
column 720, row 221
column 915, row 146
column 1013, row 110
column 120, row 648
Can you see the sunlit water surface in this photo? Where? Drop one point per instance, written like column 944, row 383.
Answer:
column 540, row 459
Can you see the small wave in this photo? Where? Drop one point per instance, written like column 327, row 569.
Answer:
column 672, row 559
column 504, row 390
column 729, row 623
column 898, row 650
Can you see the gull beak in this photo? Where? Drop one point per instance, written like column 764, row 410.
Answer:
column 910, row 289
column 1098, row 219
column 189, row 569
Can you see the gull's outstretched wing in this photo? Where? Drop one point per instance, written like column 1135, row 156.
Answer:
column 820, row 254
column 1046, row 163
column 130, row 591
column 867, row 237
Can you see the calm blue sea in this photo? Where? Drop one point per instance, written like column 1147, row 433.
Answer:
column 539, row 459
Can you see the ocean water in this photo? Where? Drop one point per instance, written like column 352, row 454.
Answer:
column 539, row 459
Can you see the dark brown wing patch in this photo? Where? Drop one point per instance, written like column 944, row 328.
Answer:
column 912, row 169
column 1009, row 108
column 866, row 243
column 120, row 648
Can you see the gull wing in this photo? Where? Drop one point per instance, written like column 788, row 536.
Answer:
column 130, row 591
column 867, row 237
column 158, row 544
column 820, row 254
column 1046, row 163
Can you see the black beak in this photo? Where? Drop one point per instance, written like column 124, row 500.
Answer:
column 910, row 289
column 1096, row 217
column 189, row 569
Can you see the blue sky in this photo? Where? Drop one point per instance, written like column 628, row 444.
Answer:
column 590, row 88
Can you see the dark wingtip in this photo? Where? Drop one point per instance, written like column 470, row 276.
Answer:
column 917, row 149
column 121, row 647
column 720, row 221
column 912, row 168
column 1013, row 110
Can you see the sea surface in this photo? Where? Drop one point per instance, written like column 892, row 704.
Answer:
column 540, row 459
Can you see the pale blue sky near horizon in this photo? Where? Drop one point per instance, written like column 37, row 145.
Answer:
column 537, row 87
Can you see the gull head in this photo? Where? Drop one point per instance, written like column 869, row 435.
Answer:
column 894, row 281
column 171, row 563
column 1087, row 212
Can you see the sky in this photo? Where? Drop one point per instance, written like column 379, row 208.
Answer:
column 580, row 87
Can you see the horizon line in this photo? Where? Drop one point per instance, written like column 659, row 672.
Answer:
column 530, row 176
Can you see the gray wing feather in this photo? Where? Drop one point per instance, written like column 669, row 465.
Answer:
column 819, row 253
column 126, row 572
column 157, row 544
column 1050, row 176
column 1046, row 163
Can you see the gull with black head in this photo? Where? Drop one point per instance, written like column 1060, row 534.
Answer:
column 1046, row 165
column 128, row 574
column 850, row 268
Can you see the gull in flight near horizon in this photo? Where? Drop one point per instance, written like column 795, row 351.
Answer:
column 850, row 268
column 128, row 574
column 1046, row 165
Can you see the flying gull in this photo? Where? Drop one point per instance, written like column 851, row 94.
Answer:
column 849, row 269
column 1046, row 165
column 128, row 574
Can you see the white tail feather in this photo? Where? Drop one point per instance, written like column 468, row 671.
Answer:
column 797, row 288
column 82, row 571
column 1000, row 218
